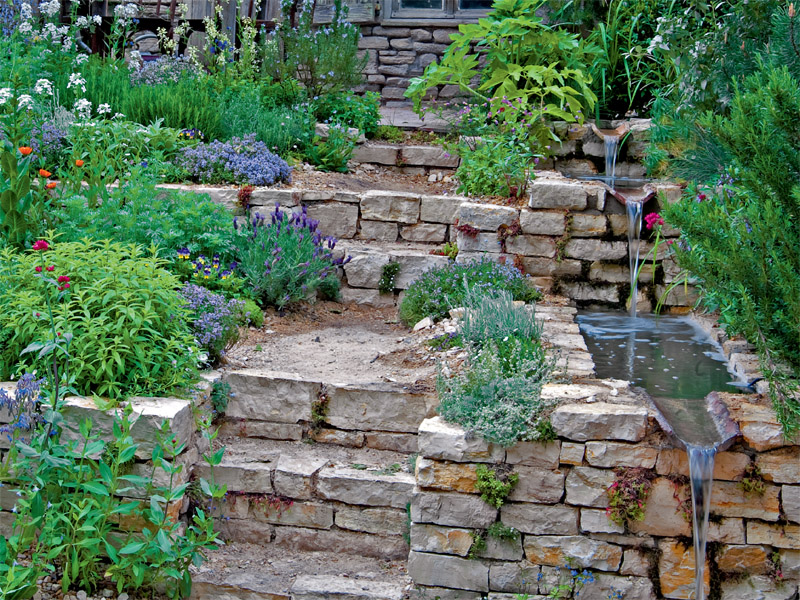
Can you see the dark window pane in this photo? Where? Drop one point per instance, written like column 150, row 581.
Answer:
column 423, row 4
column 474, row 4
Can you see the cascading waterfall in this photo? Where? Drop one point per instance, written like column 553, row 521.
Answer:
column 611, row 145
column 634, row 212
column 701, row 473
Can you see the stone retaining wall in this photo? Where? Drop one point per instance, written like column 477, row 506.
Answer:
column 559, row 508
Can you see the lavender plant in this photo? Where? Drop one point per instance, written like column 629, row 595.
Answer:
column 213, row 320
column 286, row 259
column 239, row 160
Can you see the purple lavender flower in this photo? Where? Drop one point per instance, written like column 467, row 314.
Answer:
column 214, row 323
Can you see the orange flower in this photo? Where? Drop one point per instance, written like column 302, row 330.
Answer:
column 79, row 163
column 51, row 185
column 25, row 150
column 44, row 173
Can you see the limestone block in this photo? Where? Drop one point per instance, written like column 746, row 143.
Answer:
column 486, row 217
column 728, row 466
column 424, row 232
column 759, row 427
column 679, row 296
column 261, row 429
column 373, row 42
column 148, row 415
column 591, row 249
column 548, row 267
column 585, row 225
column 344, row 196
column 572, row 453
column 538, row 485
column 727, row 531
column 381, row 521
column 600, row 421
column 630, row 588
column 662, row 514
column 614, row 454
column 294, row 475
column 790, row 500
column 730, row 500
column 428, row 156
column 440, row 209
column 379, row 205
column 542, row 222
column 582, row 551
column 401, row 58
column 448, row 571
column 514, row 577
column 600, row 271
column 535, row 454
column 780, row 466
column 531, row 245
column 446, row 476
column 395, row 442
column 365, row 269
column 586, row 486
column 413, row 265
column 239, row 475
column 757, row 587
column 305, row 539
column 482, row 242
column 676, row 569
column 540, row 519
column 635, row 562
column 790, row 562
column 443, row 36
column 597, row 521
column 393, row 32
column 366, row 488
column 366, row 297
column 441, row 540
column 377, row 407
column 557, row 194
column 780, row 536
column 743, row 559
column 349, row 439
column 269, row 198
column 244, row 531
column 590, row 292
column 381, row 231
column 449, row 509
column 320, row 587
column 498, row 549
column 270, row 396
column 445, row 441
column 447, row 594
column 298, row 514
column 382, row 154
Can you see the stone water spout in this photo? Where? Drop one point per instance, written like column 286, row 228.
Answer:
column 703, row 428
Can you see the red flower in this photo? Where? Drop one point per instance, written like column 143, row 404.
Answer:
column 79, row 163
column 50, row 268
column 44, row 173
column 25, row 150
column 63, row 287
column 38, row 269
column 653, row 219
column 59, row 334
column 51, row 185
column 63, row 279
column 41, row 245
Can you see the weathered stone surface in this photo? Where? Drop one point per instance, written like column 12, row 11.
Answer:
column 581, row 551
column 447, row 593
column 396, row 442
column 482, row 242
column 383, row 521
column 239, row 475
column 446, row 476
column 441, row 540
column 531, row 245
column 455, row 510
column 366, row 297
column 759, row 426
column 630, row 588
column 244, row 531
column 600, row 421
column 323, row 587
column 586, row 225
column 382, row 154
column 728, row 466
column 350, row 439
column 662, row 514
column 445, row 441
column 757, row 587
column 790, row 563
column 353, row 486
column 535, row 454
column 365, row 269
column 376, row 407
column 413, row 264
column 373, row 42
column 790, row 500
column 587, row 486
column 572, row 453
column 600, row 271
column 542, row 222
column 261, row 429
column 424, row 232
column 780, row 466
column 234, row 586
column 486, row 217
column 540, row 519
column 581, row 290
column 298, row 514
column 335, row 218
column 344, row 542
column 148, row 415
column 635, row 562
column 590, row 249
column 743, row 559
column 382, row 231
column 538, row 485
column 498, row 549
column 730, row 500
column 676, row 569
column 379, row 205
column 428, row 156
column 440, row 209
column 270, row 396
column 547, row 267
column 780, row 536
column 727, row 531
column 597, row 521
column 557, row 194
column 612, row 454
column 293, row 475
column 448, row 571
column 514, row 577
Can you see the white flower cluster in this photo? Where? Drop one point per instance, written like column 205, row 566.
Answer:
column 5, row 95
column 77, row 81
column 83, row 108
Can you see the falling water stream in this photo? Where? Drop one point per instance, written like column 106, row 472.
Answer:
column 701, row 473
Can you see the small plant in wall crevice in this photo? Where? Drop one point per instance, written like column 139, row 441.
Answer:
column 627, row 496
column 495, row 485
column 752, row 481
column 389, row 274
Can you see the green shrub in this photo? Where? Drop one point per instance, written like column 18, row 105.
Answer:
column 493, row 316
column 496, row 165
column 250, row 314
column 332, row 153
column 139, row 213
column 129, row 327
column 350, row 110
column 389, row 133
column 440, row 289
column 220, row 394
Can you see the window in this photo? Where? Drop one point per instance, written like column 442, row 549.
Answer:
column 440, row 9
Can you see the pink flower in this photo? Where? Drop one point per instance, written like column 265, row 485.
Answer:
column 41, row 245
column 38, row 269
column 653, row 219
column 51, row 268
